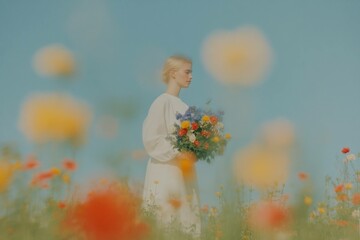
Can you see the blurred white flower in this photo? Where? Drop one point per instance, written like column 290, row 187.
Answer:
column 351, row 157
column 242, row 56
column 192, row 137
column 356, row 213
column 54, row 60
column 220, row 125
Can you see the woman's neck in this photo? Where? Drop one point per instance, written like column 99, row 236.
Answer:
column 173, row 90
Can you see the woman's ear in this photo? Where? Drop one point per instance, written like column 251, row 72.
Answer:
column 173, row 73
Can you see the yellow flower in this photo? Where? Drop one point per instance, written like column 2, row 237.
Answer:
column 260, row 167
column 241, row 56
column 54, row 60
column 185, row 124
column 55, row 171
column 54, row 117
column 215, row 139
column 66, row 178
column 227, row 136
column 308, row 200
column 205, row 118
column 321, row 210
column 348, row 186
column 6, row 173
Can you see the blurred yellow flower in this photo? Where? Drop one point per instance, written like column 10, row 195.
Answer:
column 6, row 173
column 241, row 56
column 205, row 118
column 348, row 186
column 321, row 210
column 308, row 200
column 54, row 117
column 215, row 139
column 54, row 60
column 227, row 136
column 66, row 178
column 185, row 124
column 55, row 171
column 261, row 167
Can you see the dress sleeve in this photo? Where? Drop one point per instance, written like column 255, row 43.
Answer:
column 154, row 132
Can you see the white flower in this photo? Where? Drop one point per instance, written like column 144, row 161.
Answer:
column 350, row 157
column 220, row 125
column 356, row 213
column 192, row 137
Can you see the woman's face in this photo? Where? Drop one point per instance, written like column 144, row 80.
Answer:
column 183, row 75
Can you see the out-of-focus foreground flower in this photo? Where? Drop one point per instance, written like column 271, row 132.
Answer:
column 268, row 216
column 261, row 167
column 6, row 173
column 54, row 60
column 241, row 56
column 109, row 214
column 54, row 117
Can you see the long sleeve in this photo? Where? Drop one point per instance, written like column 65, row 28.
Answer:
column 155, row 132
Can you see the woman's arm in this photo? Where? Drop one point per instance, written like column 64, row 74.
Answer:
column 155, row 132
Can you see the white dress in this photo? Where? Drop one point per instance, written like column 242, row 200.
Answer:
column 164, row 180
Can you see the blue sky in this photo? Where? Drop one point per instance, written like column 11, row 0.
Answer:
column 314, row 80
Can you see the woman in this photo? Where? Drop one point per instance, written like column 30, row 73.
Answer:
column 167, row 190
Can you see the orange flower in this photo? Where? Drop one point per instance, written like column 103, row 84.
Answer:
column 196, row 143
column 186, row 163
column 213, row 120
column 342, row 197
column 339, row 188
column 341, row 223
column 69, row 164
column 205, row 133
column 356, row 199
column 61, row 205
column 109, row 214
column 267, row 216
column 303, row 176
column 31, row 163
column 175, row 203
column 345, row 150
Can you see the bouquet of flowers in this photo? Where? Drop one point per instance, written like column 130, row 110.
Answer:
column 200, row 132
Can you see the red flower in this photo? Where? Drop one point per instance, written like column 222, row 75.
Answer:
column 194, row 126
column 303, row 176
column 69, row 164
column 182, row 132
column 41, row 179
column 213, row 120
column 267, row 216
column 31, row 163
column 196, row 143
column 109, row 214
column 206, row 145
column 345, row 150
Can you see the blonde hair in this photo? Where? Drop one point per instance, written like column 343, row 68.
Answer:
column 173, row 63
